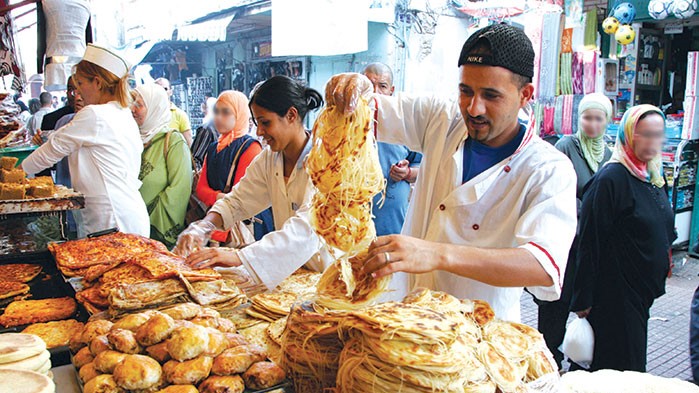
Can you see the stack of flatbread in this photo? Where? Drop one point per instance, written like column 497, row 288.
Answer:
column 21, row 381
column 25, row 352
column 277, row 304
column 311, row 347
column 410, row 347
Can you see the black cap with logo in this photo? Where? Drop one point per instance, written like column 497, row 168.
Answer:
column 510, row 48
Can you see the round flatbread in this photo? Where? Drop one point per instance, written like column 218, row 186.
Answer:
column 21, row 381
column 34, row 363
column 501, row 370
column 10, row 289
column 507, row 340
column 55, row 333
column 18, row 346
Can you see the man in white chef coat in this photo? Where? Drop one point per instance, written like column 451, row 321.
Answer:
column 494, row 207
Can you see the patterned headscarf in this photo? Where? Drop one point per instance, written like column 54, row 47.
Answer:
column 624, row 150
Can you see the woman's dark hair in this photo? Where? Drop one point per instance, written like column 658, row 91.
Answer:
column 279, row 93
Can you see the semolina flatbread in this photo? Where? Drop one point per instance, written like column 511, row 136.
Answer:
column 19, row 272
column 23, row 312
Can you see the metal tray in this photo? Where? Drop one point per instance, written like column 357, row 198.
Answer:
column 48, row 284
column 65, row 199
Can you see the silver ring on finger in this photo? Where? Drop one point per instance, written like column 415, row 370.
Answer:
column 387, row 256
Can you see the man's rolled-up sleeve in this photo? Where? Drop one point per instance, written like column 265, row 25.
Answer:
column 547, row 227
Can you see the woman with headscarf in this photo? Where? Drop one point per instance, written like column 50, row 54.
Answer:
column 166, row 165
column 625, row 232
column 227, row 159
column 588, row 152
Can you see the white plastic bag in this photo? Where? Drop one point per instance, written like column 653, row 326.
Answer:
column 579, row 342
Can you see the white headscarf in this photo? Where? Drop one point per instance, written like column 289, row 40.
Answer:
column 158, row 114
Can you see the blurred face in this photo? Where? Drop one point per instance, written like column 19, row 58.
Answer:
column 139, row 110
column 649, row 137
column 89, row 89
column 224, row 119
column 275, row 130
column 593, row 122
column 382, row 83
column 490, row 100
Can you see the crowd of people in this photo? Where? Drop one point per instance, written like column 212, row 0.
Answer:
column 494, row 208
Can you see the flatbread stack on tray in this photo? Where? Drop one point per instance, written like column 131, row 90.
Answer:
column 277, row 304
column 434, row 342
column 183, row 348
column 311, row 347
column 25, row 352
column 126, row 273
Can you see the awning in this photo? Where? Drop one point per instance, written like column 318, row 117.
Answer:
column 208, row 30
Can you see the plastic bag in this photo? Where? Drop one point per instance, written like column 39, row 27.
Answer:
column 579, row 342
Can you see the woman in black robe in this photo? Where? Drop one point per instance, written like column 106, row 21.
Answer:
column 626, row 230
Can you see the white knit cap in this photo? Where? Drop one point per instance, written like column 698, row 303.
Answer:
column 107, row 60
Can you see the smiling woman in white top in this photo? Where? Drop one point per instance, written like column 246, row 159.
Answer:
column 275, row 178
column 103, row 146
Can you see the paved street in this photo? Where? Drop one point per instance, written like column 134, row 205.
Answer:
column 668, row 329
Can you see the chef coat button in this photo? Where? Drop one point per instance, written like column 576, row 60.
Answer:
column 476, row 227
column 442, row 207
column 507, row 168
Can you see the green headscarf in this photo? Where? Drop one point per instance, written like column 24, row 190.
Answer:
column 593, row 148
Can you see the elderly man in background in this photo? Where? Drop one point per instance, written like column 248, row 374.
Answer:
column 400, row 166
column 180, row 120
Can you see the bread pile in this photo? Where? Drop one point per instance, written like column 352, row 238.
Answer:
column 14, row 184
column 412, row 347
column 153, row 351
column 277, row 304
column 311, row 347
column 24, row 352
column 125, row 273
column 21, row 381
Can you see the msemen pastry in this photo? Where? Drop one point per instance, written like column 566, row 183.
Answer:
column 137, row 372
column 19, row 272
column 222, row 384
column 21, row 381
column 263, row 375
column 10, row 289
column 55, row 333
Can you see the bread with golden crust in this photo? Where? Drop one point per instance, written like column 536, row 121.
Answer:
column 188, row 342
column 189, row 372
column 156, row 329
column 107, row 361
column 263, row 375
column 102, row 384
column 23, row 312
column 123, row 340
column 137, row 372
column 87, row 372
column 222, row 384
column 83, row 357
column 55, row 333
column 99, row 344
